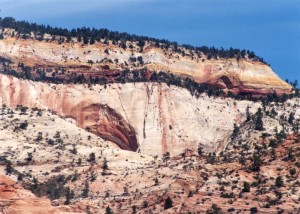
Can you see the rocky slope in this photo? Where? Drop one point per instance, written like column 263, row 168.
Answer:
column 238, row 76
column 59, row 165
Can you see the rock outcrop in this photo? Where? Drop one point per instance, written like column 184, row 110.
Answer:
column 245, row 76
column 14, row 199
column 149, row 117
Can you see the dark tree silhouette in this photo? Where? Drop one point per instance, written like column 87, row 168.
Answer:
column 168, row 203
column 259, row 123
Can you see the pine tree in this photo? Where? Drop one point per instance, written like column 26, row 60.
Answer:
column 68, row 196
column 168, row 203
column 133, row 209
column 92, row 40
column 246, row 187
column 236, row 130
column 248, row 116
column 8, row 168
column 291, row 118
column 92, row 157
column 259, row 123
column 256, row 161
column 108, row 210
column 200, row 150
column 279, row 182
column 86, row 190
column 104, row 166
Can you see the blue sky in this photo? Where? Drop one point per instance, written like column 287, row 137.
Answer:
column 271, row 28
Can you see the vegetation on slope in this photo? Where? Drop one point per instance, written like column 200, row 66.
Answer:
column 254, row 177
column 90, row 36
column 60, row 75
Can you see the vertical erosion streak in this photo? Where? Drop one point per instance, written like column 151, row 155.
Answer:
column 163, row 119
column 147, row 102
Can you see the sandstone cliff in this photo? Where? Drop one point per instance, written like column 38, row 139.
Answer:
column 153, row 118
column 242, row 75
column 237, row 167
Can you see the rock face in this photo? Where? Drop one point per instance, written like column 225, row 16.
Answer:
column 105, row 122
column 15, row 199
column 230, row 74
column 149, row 117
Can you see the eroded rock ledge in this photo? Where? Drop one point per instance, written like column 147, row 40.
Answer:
column 67, row 101
column 238, row 76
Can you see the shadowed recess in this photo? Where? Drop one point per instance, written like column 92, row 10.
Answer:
column 105, row 122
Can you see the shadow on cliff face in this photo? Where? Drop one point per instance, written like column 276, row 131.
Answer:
column 107, row 123
column 228, row 82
